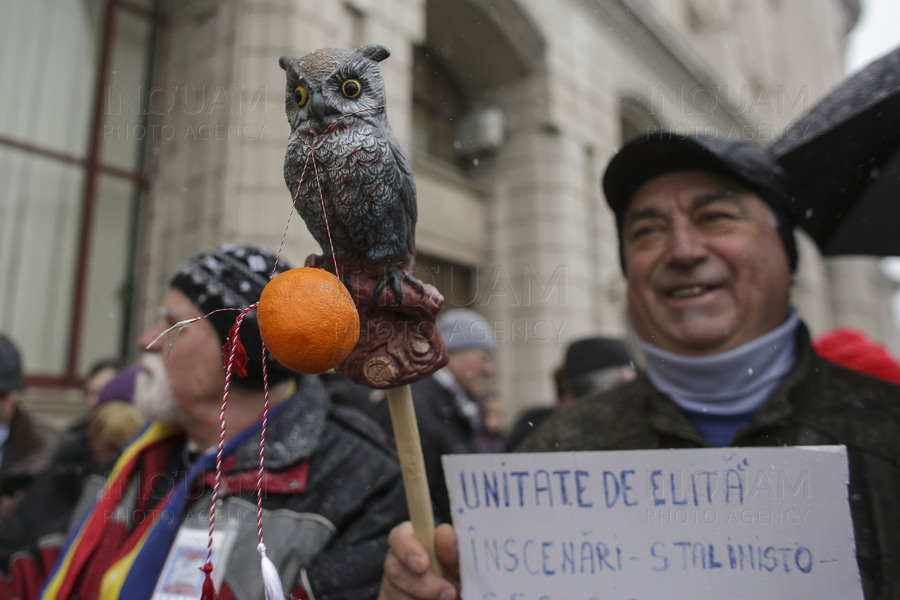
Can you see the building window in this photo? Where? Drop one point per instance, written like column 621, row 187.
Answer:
column 438, row 103
column 71, row 161
column 453, row 280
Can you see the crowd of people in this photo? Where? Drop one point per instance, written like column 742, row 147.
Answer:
column 721, row 358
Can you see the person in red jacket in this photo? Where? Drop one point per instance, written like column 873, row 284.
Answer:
column 854, row 349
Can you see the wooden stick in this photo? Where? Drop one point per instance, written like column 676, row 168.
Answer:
column 412, row 465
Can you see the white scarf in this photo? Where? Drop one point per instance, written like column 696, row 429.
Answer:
column 738, row 381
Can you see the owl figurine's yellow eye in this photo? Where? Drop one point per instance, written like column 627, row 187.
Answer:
column 351, row 88
column 300, row 95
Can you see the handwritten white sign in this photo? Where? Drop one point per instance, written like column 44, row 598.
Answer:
column 651, row 524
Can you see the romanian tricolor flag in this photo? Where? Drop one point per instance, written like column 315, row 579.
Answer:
column 103, row 560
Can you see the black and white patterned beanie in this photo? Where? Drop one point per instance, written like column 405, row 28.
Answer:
column 233, row 276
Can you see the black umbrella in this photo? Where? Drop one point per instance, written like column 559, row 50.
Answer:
column 843, row 158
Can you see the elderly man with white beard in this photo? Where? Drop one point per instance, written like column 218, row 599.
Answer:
column 331, row 490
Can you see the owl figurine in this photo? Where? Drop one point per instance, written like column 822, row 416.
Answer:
column 349, row 178
column 353, row 186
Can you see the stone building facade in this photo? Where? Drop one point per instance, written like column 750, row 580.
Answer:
column 509, row 110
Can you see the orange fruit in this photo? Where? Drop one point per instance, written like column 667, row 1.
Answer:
column 307, row 320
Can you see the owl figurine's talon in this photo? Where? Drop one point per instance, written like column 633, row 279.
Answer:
column 395, row 278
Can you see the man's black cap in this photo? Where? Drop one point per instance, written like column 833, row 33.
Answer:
column 658, row 153
column 595, row 354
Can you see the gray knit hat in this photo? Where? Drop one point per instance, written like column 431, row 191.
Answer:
column 463, row 328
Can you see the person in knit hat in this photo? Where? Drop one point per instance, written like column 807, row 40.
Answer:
column 470, row 344
column 330, row 492
column 451, row 403
column 224, row 280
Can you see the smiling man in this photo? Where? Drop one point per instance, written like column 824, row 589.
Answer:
column 708, row 253
column 706, row 271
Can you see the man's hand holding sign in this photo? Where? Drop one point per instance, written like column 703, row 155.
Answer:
column 708, row 252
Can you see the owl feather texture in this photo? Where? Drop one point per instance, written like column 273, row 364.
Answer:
column 349, row 178
column 353, row 186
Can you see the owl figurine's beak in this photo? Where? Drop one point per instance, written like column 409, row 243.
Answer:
column 320, row 110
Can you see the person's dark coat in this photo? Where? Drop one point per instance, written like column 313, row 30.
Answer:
column 820, row 403
column 443, row 429
column 27, row 452
column 332, row 491
column 48, row 500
